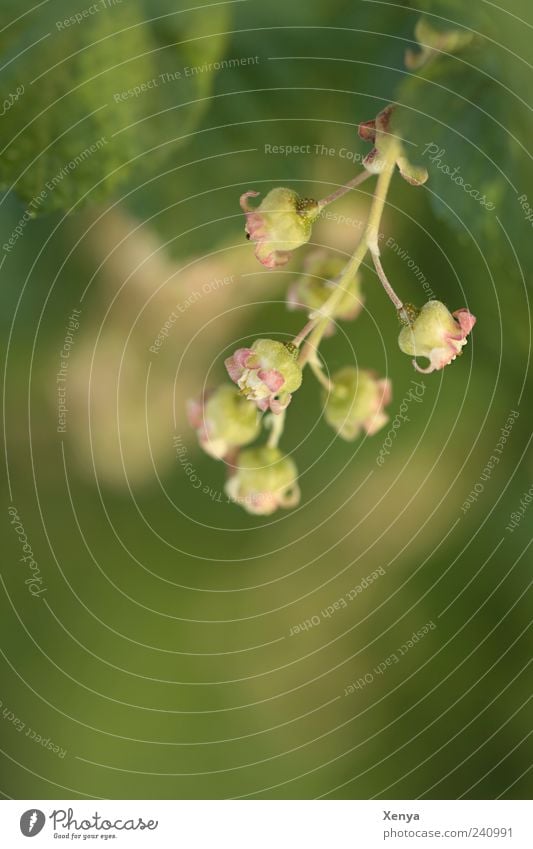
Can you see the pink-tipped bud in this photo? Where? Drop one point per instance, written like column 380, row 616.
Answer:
column 436, row 334
column 223, row 420
column 267, row 373
column 281, row 223
column 264, row 479
column 357, row 402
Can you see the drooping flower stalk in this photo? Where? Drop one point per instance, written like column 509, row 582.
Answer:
column 262, row 478
column 386, row 285
column 368, row 241
column 340, row 192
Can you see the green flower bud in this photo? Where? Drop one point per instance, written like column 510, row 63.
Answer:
column 311, row 291
column 356, row 402
column 267, row 373
column 223, row 421
column 281, row 223
column 433, row 42
column 437, row 334
column 264, row 480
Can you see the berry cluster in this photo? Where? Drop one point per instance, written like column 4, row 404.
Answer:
column 266, row 375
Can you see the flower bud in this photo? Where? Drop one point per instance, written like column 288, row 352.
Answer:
column 311, row 291
column 281, row 223
column 437, row 334
column 356, row 402
column 264, row 480
column 433, row 42
column 223, row 420
column 381, row 135
column 267, row 373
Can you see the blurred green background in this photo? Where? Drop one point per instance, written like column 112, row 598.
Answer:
column 160, row 658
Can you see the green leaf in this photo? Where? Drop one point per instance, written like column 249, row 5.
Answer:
column 463, row 119
column 100, row 92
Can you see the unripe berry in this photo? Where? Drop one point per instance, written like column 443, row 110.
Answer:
column 316, row 285
column 264, row 480
column 267, row 373
column 281, row 223
column 356, row 402
column 223, row 420
column 436, row 334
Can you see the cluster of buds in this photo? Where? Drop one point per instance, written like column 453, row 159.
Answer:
column 265, row 375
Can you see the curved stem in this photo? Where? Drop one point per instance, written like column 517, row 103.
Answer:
column 305, row 331
column 385, row 283
column 338, row 193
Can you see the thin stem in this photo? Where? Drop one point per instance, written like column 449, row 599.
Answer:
column 322, row 378
column 385, row 283
column 369, row 241
column 338, row 193
column 277, row 424
column 305, row 331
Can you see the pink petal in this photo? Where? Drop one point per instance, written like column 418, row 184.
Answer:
column 245, row 206
column 263, row 404
column 271, row 378
column 466, row 320
column 263, row 503
column 254, row 226
column 236, row 364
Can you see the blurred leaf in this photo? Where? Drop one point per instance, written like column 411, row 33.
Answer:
column 470, row 131
column 97, row 93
